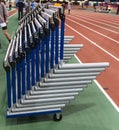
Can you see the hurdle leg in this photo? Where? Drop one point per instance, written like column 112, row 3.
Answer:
column 56, row 41
column 8, row 89
column 62, row 38
column 14, row 85
column 18, row 80
column 28, row 72
column 33, row 66
column 42, row 60
column 52, row 51
column 23, row 73
column 47, row 55
column 37, row 63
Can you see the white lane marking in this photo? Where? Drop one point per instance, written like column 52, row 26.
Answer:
column 117, row 59
column 102, row 90
column 101, row 19
column 94, row 31
column 12, row 15
column 97, row 25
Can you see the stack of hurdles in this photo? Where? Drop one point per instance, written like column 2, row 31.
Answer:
column 39, row 79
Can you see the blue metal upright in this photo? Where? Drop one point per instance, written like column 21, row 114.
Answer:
column 28, row 70
column 47, row 32
column 13, row 82
column 18, row 70
column 42, row 58
column 52, row 46
column 37, row 57
column 8, row 77
column 13, row 71
column 9, row 99
column 62, row 17
column 33, row 66
column 56, row 21
column 22, row 64
column 18, row 78
column 23, row 73
column 27, row 50
column 47, row 53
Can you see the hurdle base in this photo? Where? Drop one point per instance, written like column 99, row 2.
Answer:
column 32, row 113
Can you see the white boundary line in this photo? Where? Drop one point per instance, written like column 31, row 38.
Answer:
column 94, row 31
column 102, row 90
column 12, row 15
column 100, row 21
column 95, row 44
column 97, row 25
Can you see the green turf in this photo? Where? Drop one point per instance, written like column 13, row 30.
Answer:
column 90, row 110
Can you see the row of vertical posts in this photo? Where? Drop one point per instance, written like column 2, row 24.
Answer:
column 33, row 52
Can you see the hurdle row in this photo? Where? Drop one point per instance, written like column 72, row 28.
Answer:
column 39, row 79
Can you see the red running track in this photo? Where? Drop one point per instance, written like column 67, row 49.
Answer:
column 99, row 32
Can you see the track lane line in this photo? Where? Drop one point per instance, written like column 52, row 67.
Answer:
column 93, row 31
column 102, row 90
column 114, row 57
column 108, row 23
column 12, row 15
column 97, row 25
column 101, row 16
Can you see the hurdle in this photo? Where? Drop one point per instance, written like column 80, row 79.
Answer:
column 39, row 80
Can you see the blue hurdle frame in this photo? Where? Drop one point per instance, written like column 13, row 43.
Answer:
column 30, row 57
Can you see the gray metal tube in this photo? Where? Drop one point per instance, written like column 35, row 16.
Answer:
column 73, row 45
column 17, row 44
column 38, row 108
column 84, row 65
column 73, row 75
column 64, row 83
column 29, row 112
column 64, row 79
column 60, row 87
column 47, row 100
column 42, row 104
column 52, row 95
column 67, row 90
column 73, row 70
